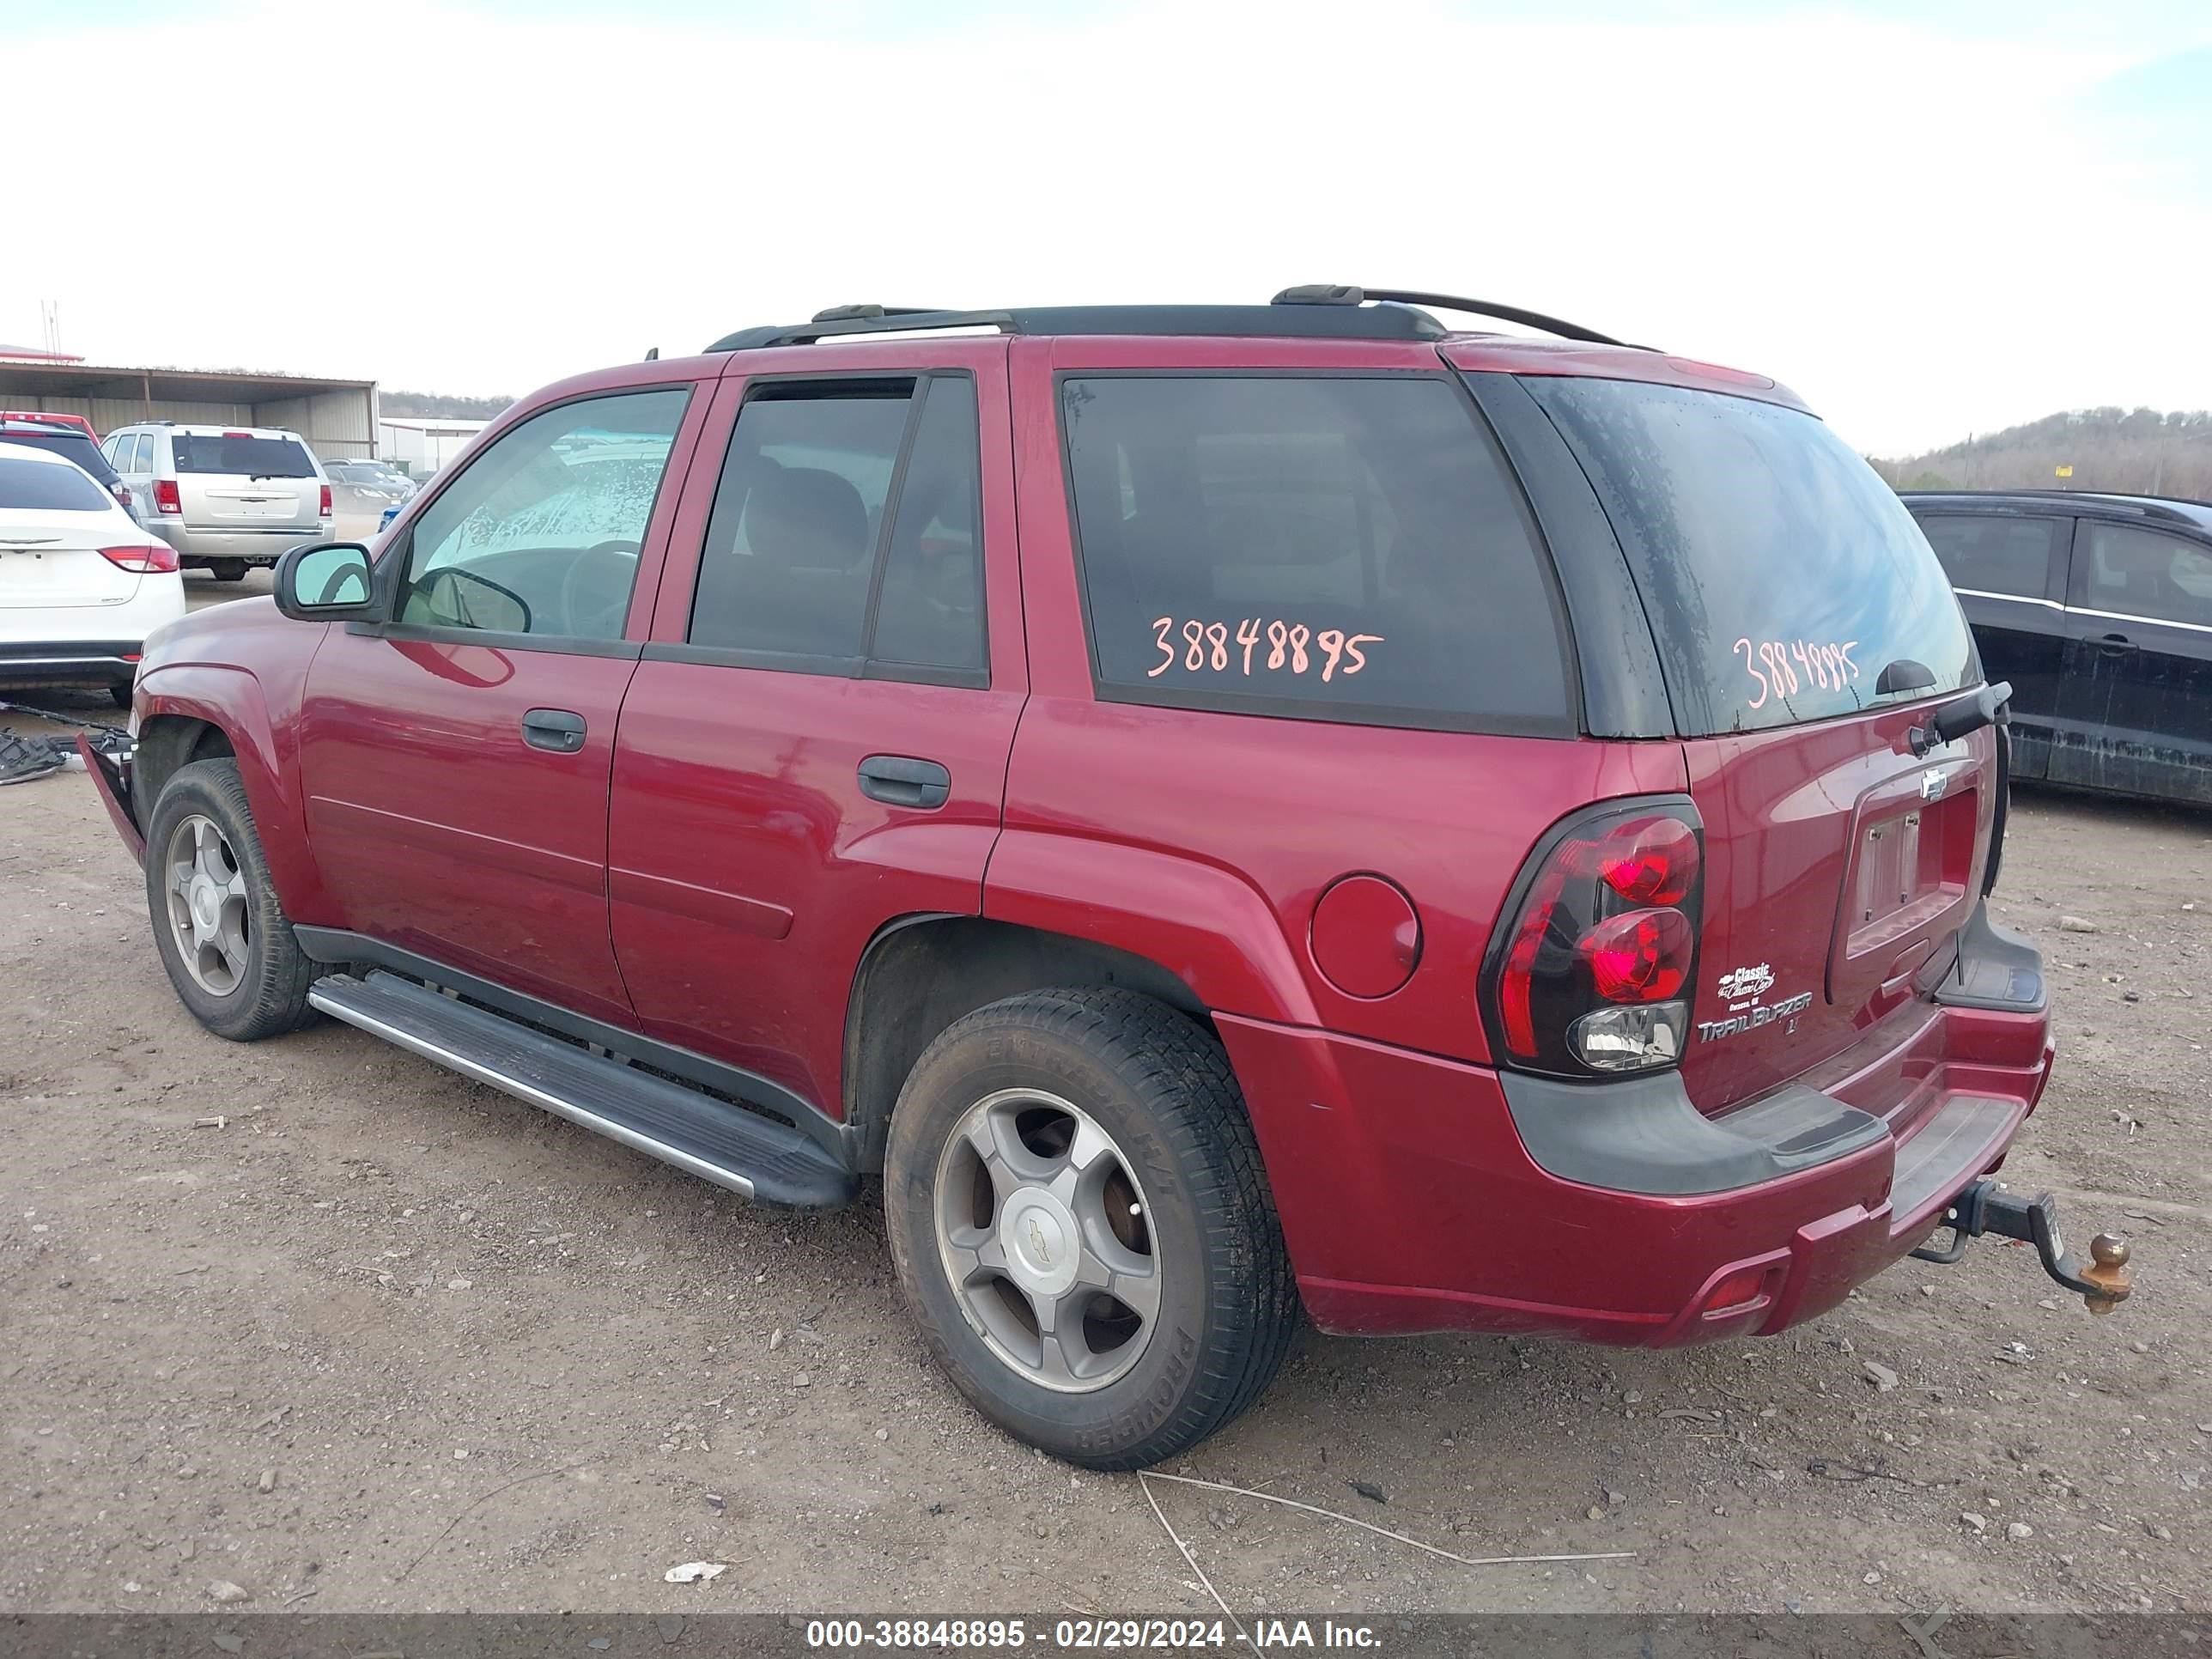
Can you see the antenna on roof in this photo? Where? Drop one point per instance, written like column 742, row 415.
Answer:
column 653, row 354
column 1344, row 294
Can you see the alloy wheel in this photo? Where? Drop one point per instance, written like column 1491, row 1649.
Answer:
column 208, row 908
column 1044, row 1233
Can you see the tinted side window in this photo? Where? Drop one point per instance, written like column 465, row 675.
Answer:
column 541, row 534
column 2142, row 572
column 931, row 608
column 1988, row 553
column 1331, row 547
column 811, row 563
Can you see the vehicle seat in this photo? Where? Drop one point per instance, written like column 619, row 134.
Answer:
column 805, row 585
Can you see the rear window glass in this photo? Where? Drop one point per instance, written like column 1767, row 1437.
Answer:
column 70, row 447
column 1986, row 553
column 1337, row 547
column 1781, row 575
column 49, row 487
column 254, row 457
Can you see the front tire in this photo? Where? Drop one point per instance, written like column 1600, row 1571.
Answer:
column 222, row 936
column 1080, row 1223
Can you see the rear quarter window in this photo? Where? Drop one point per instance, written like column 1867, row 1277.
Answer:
column 1781, row 575
column 1338, row 548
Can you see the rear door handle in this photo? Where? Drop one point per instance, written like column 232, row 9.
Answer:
column 559, row 730
column 2117, row 645
column 901, row 781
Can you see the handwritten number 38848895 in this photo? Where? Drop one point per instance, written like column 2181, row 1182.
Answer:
column 1208, row 646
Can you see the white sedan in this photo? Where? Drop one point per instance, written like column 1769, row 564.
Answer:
column 80, row 584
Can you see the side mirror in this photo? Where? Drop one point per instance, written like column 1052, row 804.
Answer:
column 326, row 581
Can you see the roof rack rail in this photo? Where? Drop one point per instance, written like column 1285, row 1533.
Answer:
column 1344, row 294
column 859, row 319
column 2151, row 504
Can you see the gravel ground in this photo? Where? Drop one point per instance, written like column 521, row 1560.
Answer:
column 374, row 1338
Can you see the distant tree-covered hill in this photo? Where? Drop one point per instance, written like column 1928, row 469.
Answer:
column 438, row 406
column 2138, row 451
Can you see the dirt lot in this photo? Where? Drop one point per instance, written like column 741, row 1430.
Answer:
column 395, row 1342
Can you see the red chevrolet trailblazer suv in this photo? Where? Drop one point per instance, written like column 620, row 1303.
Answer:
column 1225, row 809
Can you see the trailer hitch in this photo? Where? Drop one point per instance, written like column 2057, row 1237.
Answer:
column 1986, row 1208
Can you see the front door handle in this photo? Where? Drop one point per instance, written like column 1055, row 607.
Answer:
column 2117, row 645
column 901, row 781
column 559, row 730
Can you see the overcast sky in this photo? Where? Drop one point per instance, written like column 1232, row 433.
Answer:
column 1929, row 219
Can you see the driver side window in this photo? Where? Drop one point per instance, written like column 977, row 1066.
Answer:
column 540, row 533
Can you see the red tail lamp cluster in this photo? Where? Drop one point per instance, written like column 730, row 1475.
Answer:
column 1596, row 969
column 142, row 561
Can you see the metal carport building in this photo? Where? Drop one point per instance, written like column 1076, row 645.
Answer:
column 337, row 417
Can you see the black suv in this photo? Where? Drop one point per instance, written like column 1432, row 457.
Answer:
column 70, row 444
column 2098, row 607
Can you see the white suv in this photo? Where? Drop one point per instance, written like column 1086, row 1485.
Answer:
column 224, row 497
column 82, row 585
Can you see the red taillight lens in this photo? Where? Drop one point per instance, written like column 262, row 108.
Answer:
column 326, row 501
column 1650, row 860
column 1641, row 957
column 123, row 494
column 166, row 499
column 1587, row 979
column 1515, row 999
column 140, row 560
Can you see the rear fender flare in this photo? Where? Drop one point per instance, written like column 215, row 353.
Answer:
column 1206, row 924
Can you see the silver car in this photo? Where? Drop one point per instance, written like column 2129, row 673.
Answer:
column 226, row 497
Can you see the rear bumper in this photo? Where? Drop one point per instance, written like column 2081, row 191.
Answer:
column 69, row 662
column 1412, row 1201
column 254, row 546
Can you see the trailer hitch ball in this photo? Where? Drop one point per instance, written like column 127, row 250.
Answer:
column 1984, row 1207
column 2108, row 1271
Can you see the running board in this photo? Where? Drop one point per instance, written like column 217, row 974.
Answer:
column 720, row 1142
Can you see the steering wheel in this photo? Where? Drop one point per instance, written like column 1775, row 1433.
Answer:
column 586, row 603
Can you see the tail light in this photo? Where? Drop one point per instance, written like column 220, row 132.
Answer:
column 166, row 499
column 122, row 493
column 1593, row 974
column 326, row 508
column 142, row 561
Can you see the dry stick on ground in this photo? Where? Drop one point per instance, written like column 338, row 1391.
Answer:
column 1385, row 1532
column 1144, row 1482
column 519, row 1479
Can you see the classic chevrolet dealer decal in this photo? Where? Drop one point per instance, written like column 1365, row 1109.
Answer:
column 1750, row 982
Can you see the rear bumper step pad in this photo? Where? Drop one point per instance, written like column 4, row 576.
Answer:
column 725, row 1144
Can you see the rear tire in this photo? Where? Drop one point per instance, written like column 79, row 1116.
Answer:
column 1101, row 1109
column 120, row 696
column 222, row 936
column 228, row 570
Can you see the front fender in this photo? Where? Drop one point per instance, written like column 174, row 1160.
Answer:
column 232, row 702
column 1206, row 925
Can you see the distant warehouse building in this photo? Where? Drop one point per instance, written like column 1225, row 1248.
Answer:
column 420, row 444
column 337, row 417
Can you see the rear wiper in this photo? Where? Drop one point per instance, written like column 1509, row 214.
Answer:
column 1986, row 706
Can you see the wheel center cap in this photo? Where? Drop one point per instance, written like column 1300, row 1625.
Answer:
column 206, row 902
column 1039, row 1238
